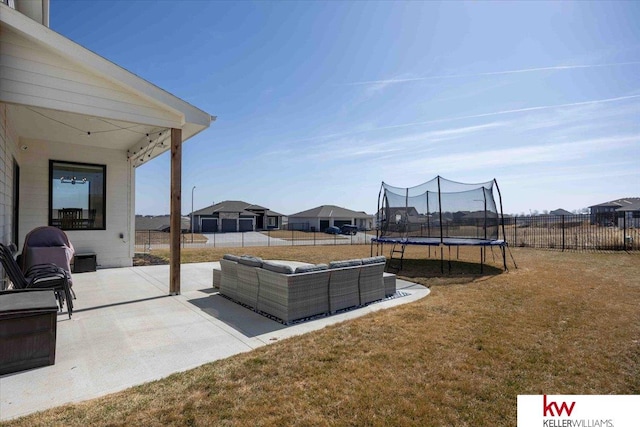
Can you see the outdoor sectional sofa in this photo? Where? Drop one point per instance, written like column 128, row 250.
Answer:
column 287, row 293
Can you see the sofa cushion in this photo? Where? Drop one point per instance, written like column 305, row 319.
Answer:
column 346, row 263
column 277, row 268
column 231, row 257
column 251, row 261
column 374, row 260
column 309, row 268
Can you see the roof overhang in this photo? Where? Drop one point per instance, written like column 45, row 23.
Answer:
column 57, row 118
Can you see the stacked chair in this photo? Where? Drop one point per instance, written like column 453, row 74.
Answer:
column 38, row 276
column 48, row 245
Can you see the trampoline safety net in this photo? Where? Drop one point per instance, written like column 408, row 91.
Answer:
column 440, row 209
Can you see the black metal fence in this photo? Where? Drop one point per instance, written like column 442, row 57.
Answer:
column 150, row 240
column 574, row 232
column 560, row 232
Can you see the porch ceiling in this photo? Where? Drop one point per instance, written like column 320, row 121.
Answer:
column 51, row 125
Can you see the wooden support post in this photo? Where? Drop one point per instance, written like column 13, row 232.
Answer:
column 176, row 211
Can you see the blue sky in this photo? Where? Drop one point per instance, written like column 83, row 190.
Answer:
column 319, row 102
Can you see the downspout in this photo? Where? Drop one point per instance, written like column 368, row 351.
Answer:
column 45, row 13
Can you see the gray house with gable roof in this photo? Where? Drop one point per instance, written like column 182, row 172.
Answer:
column 322, row 217
column 623, row 212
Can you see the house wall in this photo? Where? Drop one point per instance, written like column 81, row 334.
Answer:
column 38, row 10
column 273, row 222
column 630, row 220
column 315, row 222
column 111, row 250
column 8, row 151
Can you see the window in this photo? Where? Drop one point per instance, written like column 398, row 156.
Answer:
column 77, row 195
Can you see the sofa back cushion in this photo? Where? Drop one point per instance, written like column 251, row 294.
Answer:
column 374, row 260
column 346, row 263
column 277, row 268
column 251, row 261
column 231, row 257
column 310, row 268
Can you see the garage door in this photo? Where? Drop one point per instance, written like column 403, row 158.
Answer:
column 246, row 224
column 228, row 225
column 324, row 224
column 209, row 225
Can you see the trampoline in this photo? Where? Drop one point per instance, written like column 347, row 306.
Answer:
column 440, row 213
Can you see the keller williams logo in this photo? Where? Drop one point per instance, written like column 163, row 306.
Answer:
column 548, row 408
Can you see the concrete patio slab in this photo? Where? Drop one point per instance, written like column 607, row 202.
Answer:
column 126, row 331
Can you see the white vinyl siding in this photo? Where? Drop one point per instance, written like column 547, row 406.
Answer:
column 33, row 75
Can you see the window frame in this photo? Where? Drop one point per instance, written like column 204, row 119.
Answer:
column 50, row 219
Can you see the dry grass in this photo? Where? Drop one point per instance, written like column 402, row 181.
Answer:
column 146, row 238
column 580, row 236
column 562, row 323
column 300, row 235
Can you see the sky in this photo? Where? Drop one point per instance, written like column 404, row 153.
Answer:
column 318, row 103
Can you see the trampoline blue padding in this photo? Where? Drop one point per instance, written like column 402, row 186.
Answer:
column 436, row 241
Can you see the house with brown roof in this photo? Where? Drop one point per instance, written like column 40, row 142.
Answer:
column 235, row 216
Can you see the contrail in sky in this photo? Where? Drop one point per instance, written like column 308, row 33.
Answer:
column 475, row 116
column 493, row 73
column 518, row 110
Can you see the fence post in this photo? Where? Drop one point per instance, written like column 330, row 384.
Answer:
column 268, row 237
column 562, row 233
column 292, row 231
column 624, row 231
column 242, row 239
column 515, row 231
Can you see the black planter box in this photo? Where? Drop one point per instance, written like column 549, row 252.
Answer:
column 84, row 262
column 28, row 323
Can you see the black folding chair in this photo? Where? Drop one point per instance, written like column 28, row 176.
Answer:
column 42, row 276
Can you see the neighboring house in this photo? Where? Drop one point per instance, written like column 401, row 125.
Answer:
column 559, row 212
column 322, row 217
column 73, row 128
column 625, row 211
column 553, row 217
column 234, row 216
column 629, row 216
column 399, row 215
column 160, row 223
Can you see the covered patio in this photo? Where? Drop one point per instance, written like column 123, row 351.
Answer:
column 73, row 128
column 126, row 331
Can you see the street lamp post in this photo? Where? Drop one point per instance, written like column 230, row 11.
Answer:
column 194, row 187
